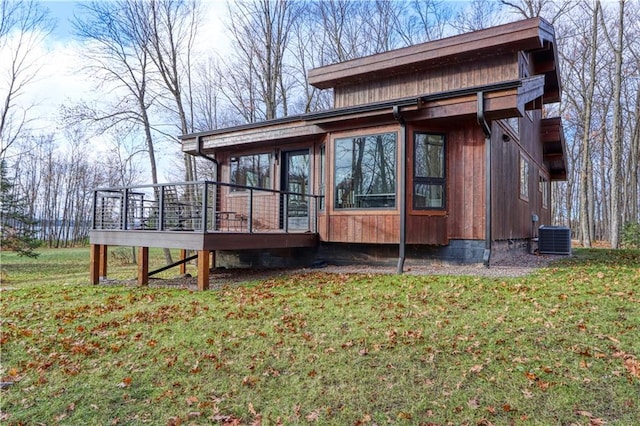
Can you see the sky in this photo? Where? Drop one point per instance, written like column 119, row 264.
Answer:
column 61, row 81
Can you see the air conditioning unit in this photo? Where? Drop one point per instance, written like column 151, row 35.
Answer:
column 554, row 240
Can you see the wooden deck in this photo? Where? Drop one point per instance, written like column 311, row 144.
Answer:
column 197, row 216
column 191, row 240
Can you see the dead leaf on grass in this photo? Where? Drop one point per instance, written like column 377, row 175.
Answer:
column 474, row 403
column 476, row 368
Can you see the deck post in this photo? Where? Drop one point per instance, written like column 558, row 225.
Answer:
column 143, row 266
column 102, row 273
column 213, row 259
column 203, row 270
column 94, row 263
column 183, row 266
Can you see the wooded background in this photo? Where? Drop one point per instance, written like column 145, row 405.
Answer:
column 147, row 57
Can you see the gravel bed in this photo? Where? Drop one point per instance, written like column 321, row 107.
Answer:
column 512, row 266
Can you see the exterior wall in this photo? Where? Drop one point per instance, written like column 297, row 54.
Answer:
column 435, row 80
column 379, row 226
column 511, row 213
column 463, row 217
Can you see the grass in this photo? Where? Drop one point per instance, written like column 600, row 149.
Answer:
column 557, row 347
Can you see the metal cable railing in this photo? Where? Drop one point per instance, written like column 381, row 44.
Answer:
column 203, row 206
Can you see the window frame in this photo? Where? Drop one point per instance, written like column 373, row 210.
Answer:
column 441, row 181
column 544, row 191
column 524, row 175
column 336, row 206
column 322, row 177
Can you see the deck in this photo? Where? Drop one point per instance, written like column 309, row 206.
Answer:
column 202, row 216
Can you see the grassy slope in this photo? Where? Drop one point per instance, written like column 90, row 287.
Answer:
column 557, row 347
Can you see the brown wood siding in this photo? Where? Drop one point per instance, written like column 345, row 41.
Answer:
column 464, row 215
column 456, row 76
column 371, row 228
column 467, row 188
column 512, row 215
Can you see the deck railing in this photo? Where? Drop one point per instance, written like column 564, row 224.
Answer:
column 203, row 206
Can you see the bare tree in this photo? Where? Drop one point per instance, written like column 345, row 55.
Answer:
column 616, row 149
column 478, row 15
column 261, row 33
column 586, row 171
column 23, row 25
column 551, row 10
column 119, row 55
column 118, row 59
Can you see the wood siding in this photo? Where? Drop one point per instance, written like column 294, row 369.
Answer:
column 455, row 76
column 372, row 228
column 511, row 214
column 463, row 217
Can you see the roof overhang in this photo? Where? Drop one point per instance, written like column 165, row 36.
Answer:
column 289, row 130
column 533, row 35
column 553, row 148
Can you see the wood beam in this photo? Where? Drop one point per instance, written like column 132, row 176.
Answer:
column 203, row 269
column 183, row 266
column 143, row 266
column 103, row 260
column 94, row 263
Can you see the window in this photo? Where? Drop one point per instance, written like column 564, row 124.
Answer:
column 323, row 182
column 365, row 171
column 251, row 170
column 544, row 190
column 514, row 123
column 524, row 178
column 429, row 178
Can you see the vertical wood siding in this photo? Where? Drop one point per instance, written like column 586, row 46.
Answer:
column 468, row 74
column 511, row 214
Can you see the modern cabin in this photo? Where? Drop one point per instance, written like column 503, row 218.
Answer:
column 437, row 151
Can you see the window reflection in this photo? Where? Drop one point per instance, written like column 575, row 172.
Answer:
column 365, row 171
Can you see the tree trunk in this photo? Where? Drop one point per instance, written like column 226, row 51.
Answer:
column 617, row 186
column 586, row 181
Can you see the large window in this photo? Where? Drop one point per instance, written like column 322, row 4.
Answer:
column 251, row 170
column 429, row 175
column 365, row 171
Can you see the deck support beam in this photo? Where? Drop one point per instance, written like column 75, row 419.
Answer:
column 103, row 261
column 143, row 266
column 183, row 266
column 94, row 263
column 203, row 269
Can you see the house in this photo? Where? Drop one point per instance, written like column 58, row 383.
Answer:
column 435, row 151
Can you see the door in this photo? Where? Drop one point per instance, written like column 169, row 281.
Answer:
column 295, row 181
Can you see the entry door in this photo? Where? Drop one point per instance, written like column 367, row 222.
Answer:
column 295, row 179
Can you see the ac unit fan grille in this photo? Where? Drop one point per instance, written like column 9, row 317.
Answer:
column 554, row 240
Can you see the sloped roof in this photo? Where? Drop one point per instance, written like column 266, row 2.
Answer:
column 533, row 35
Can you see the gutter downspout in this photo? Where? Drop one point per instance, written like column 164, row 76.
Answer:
column 403, row 188
column 199, row 153
column 486, row 258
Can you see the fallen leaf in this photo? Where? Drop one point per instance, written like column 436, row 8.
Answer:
column 633, row 366
column 476, row 368
column 473, row 403
column 312, row 416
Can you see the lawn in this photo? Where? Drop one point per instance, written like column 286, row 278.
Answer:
column 561, row 346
